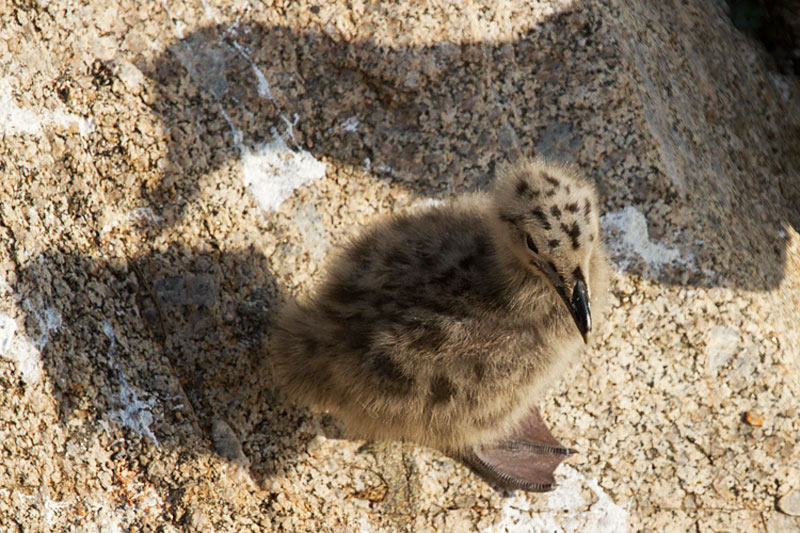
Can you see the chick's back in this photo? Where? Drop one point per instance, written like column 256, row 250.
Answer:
column 402, row 330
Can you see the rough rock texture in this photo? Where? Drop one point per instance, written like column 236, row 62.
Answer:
column 172, row 172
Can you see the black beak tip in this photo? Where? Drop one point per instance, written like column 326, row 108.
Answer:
column 581, row 311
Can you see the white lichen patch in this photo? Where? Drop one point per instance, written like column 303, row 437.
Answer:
column 133, row 413
column 23, row 350
column 104, row 514
column 49, row 508
column 16, row 120
column 272, row 171
column 567, row 509
column 140, row 215
column 721, row 343
column 351, row 124
column 19, row 349
column 178, row 26
column 629, row 239
column 310, row 226
column 261, row 80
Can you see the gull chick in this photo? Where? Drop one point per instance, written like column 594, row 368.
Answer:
column 443, row 327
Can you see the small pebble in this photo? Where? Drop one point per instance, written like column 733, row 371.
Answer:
column 315, row 444
column 754, row 419
column 790, row 503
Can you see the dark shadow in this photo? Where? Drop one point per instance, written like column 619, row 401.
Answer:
column 439, row 119
column 776, row 24
column 743, row 192
column 175, row 320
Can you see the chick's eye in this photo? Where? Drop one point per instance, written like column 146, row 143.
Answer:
column 531, row 245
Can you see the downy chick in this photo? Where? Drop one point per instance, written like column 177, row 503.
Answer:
column 443, row 327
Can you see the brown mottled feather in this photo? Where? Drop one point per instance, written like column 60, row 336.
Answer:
column 439, row 327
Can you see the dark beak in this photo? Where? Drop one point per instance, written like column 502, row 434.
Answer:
column 579, row 309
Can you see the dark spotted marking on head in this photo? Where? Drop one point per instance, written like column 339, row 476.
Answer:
column 550, row 193
column 556, row 212
column 361, row 250
column 573, row 232
column 383, row 302
column 572, row 207
column 591, row 237
column 392, row 377
column 541, row 217
column 555, row 271
column 587, row 209
column 437, row 305
column 442, row 389
column 553, row 243
column 551, row 180
column 523, row 188
column 402, row 222
column 443, row 277
column 380, row 298
column 569, row 188
column 427, row 258
column 459, row 283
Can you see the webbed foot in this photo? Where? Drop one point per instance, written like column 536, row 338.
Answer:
column 526, row 460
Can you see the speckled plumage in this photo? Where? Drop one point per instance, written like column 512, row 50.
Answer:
column 442, row 327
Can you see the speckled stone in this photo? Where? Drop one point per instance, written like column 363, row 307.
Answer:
column 789, row 503
column 174, row 172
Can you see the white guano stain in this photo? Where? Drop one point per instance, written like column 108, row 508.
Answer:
column 15, row 120
column 261, row 80
column 629, row 238
column 351, row 124
column 108, row 515
column 49, row 508
column 567, row 510
column 133, row 412
column 178, row 26
column 24, row 351
column 271, row 171
column 140, row 215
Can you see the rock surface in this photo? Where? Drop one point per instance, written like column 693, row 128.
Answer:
column 789, row 503
column 173, row 172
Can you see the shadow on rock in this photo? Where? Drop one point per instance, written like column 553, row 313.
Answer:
column 170, row 346
column 439, row 118
column 727, row 130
